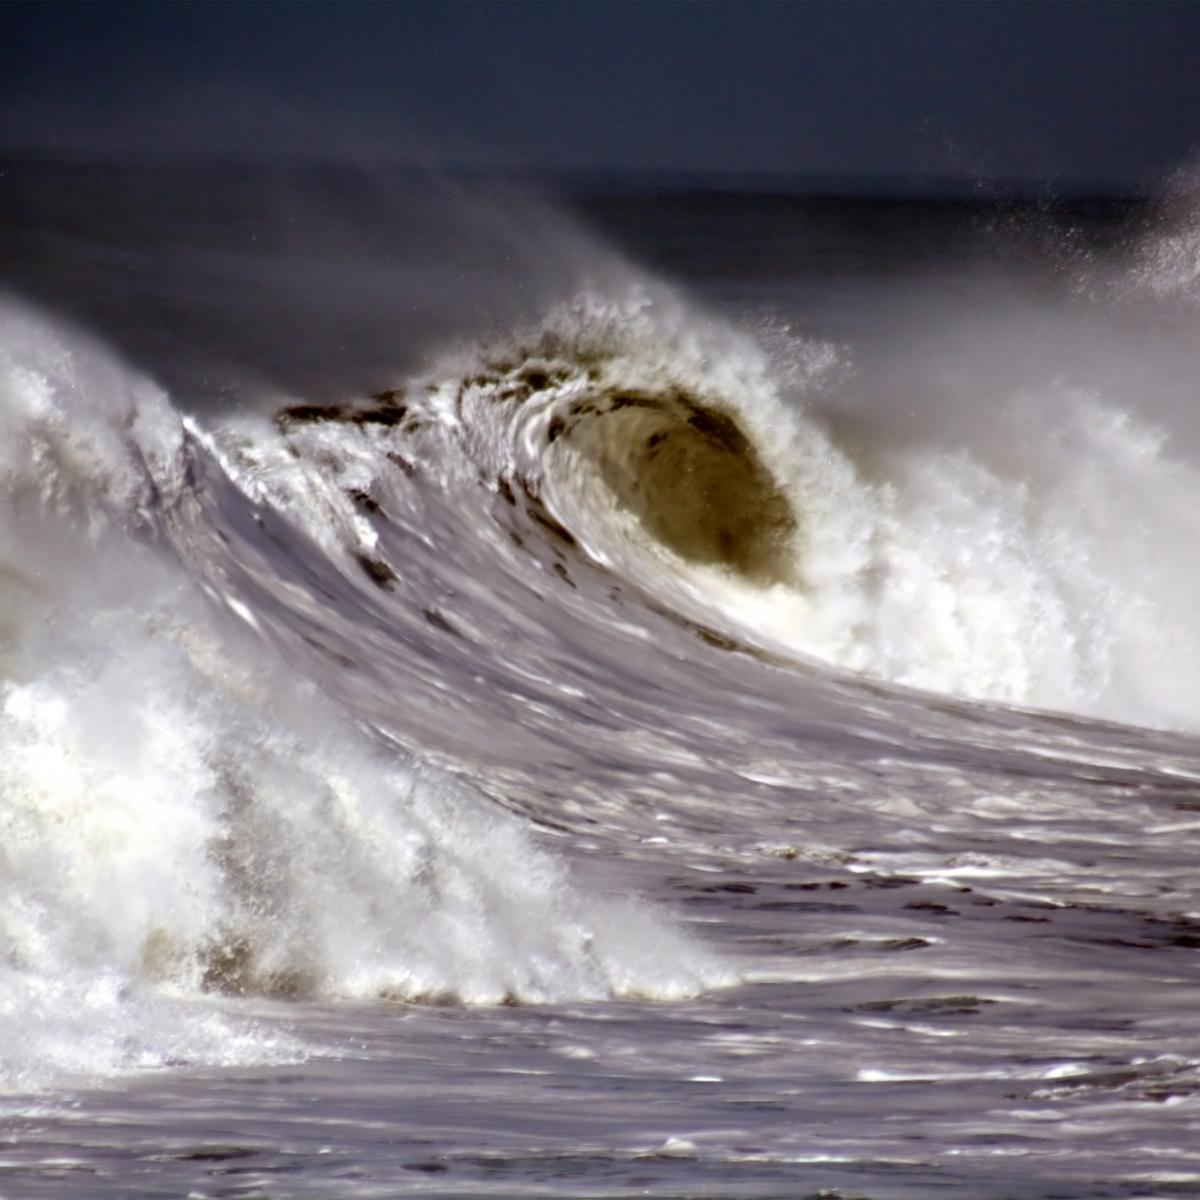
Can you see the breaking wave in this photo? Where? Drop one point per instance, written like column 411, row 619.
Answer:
column 1035, row 561
column 279, row 692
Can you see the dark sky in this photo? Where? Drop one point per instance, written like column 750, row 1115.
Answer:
column 1060, row 92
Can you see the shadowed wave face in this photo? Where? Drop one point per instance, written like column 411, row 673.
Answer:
column 691, row 476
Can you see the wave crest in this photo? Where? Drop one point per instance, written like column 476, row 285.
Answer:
column 672, row 453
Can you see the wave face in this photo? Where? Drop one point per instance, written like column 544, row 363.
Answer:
column 644, row 644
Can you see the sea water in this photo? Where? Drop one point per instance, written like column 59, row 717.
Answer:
column 661, row 691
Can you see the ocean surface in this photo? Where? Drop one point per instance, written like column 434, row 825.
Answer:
column 595, row 690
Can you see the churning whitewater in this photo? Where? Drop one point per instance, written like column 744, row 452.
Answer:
column 792, row 740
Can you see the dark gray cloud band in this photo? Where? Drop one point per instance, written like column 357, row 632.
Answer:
column 1047, row 91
